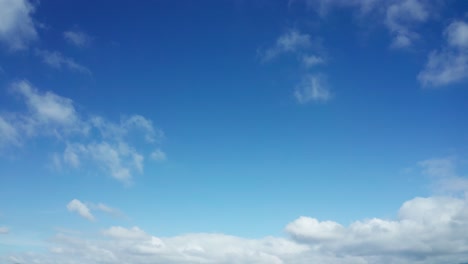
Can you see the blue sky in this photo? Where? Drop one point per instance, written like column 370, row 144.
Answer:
column 233, row 131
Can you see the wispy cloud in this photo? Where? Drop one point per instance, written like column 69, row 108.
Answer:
column 76, row 206
column 56, row 60
column 291, row 41
column 313, row 88
column 450, row 64
column 77, row 38
column 17, row 29
column 88, row 141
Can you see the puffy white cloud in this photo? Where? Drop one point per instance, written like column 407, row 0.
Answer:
column 450, row 64
column 291, row 41
column 94, row 141
column 4, row 230
column 426, row 228
column 77, row 38
column 56, row 60
column 17, row 28
column 80, row 208
column 313, row 88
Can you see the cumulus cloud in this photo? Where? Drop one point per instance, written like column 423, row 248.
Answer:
column 77, row 38
column 291, row 41
column 88, row 141
column 450, row 64
column 17, row 28
column 56, row 60
column 80, row 208
column 426, row 230
column 313, row 88
column 4, row 230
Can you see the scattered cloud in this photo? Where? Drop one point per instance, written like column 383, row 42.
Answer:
column 77, row 38
column 94, row 141
column 450, row 64
column 56, row 60
column 426, row 230
column 76, row 206
column 313, row 88
column 17, row 29
column 290, row 42
column 4, row 230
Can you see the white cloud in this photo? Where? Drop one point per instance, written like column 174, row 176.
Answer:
column 80, row 208
column 291, row 41
column 426, row 230
column 17, row 28
column 77, row 38
column 56, row 60
column 95, row 141
column 4, row 230
column 450, row 64
column 158, row 155
column 313, row 88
